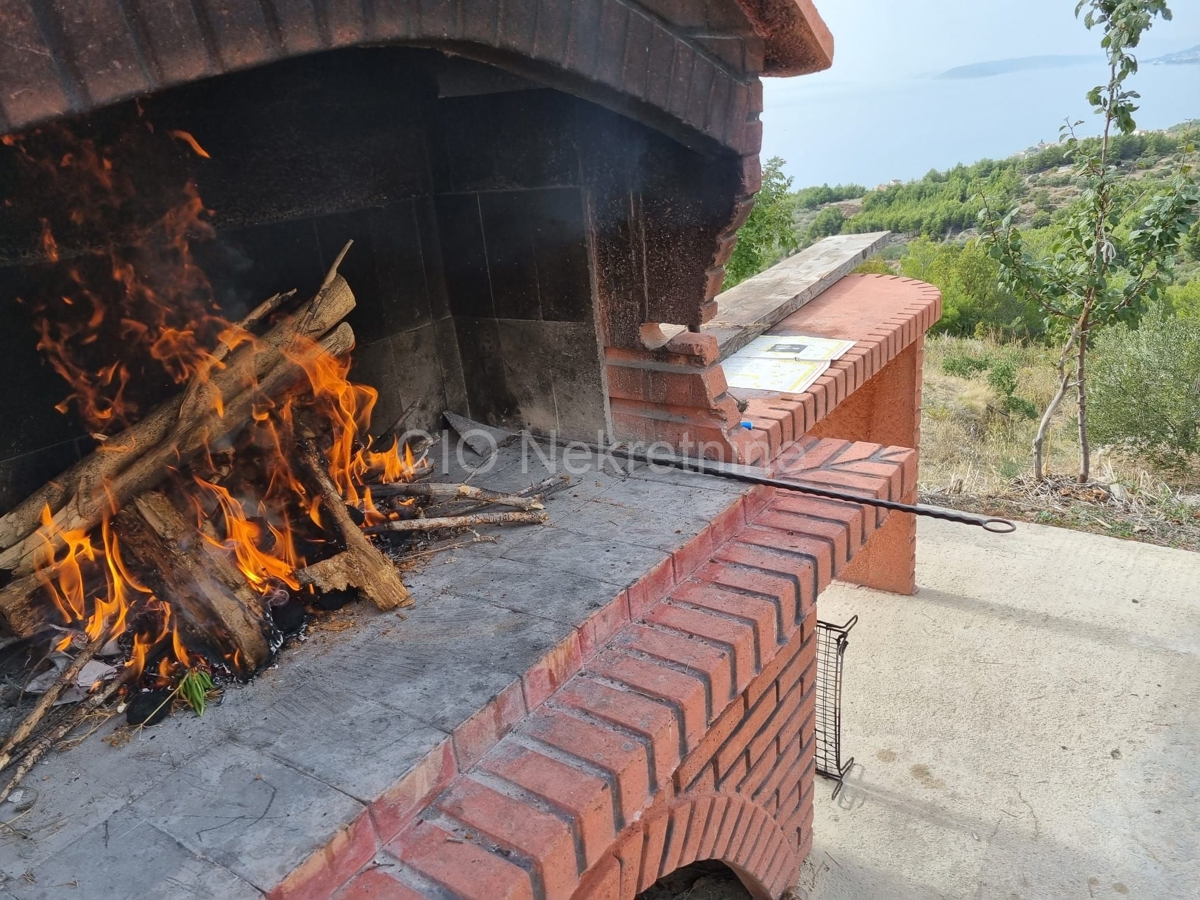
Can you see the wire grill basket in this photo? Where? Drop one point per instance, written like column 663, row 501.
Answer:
column 831, row 649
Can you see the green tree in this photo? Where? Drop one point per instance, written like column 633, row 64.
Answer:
column 829, row 221
column 972, row 300
column 1185, row 301
column 769, row 232
column 1146, row 390
column 814, row 197
column 1098, row 272
column 1191, row 244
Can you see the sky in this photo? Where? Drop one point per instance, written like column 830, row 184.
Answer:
column 879, row 113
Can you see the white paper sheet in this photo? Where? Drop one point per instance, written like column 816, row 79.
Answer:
column 783, row 376
column 795, row 346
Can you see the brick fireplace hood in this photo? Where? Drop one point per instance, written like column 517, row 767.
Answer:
column 66, row 57
column 589, row 163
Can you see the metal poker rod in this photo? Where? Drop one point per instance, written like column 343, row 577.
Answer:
column 720, row 470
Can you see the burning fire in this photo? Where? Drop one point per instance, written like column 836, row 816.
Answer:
column 135, row 311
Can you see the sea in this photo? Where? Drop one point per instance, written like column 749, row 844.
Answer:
column 832, row 130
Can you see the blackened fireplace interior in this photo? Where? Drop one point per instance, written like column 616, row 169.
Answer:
column 497, row 224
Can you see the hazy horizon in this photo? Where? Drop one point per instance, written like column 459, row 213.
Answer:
column 882, row 112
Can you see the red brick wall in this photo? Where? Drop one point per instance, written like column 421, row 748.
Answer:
column 677, row 394
column 68, row 58
column 688, row 734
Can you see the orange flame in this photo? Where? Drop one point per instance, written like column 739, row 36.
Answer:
column 151, row 303
column 348, row 407
column 243, row 538
column 191, row 142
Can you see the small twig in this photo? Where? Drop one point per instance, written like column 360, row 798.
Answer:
column 439, row 491
column 333, row 269
column 543, row 489
column 457, row 545
column 46, row 701
column 373, row 574
column 496, row 518
column 323, row 290
column 38, row 749
column 546, row 487
column 394, row 428
column 257, row 314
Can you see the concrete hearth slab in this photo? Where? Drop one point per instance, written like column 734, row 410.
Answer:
column 228, row 805
column 1025, row 726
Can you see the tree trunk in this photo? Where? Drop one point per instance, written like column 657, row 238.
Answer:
column 1085, row 450
column 1039, row 440
column 1064, row 382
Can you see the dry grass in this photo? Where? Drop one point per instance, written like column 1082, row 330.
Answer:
column 976, row 455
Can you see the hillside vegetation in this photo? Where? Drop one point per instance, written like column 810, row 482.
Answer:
column 990, row 365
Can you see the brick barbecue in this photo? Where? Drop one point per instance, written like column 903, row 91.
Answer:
column 542, row 197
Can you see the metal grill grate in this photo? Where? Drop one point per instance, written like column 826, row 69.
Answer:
column 831, row 647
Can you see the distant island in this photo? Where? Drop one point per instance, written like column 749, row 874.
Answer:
column 1023, row 64
column 1182, row 58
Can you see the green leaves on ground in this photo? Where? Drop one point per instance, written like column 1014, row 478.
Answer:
column 194, row 688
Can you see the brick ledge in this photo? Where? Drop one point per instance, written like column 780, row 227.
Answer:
column 682, row 708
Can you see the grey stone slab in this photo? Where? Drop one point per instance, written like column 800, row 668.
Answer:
column 440, row 690
column 444, row 661
column 526, row 586
column 579, row 395
column 78, row 790
column 446, row 697
column 613, row 562
column 419, row 378
column 661, row 527
column 691, row 480
column 452, row 628
column 247, row 812
column 127, row 858
column 752, row 307
column 527, row 348
column 680, row 498
column 327, row 728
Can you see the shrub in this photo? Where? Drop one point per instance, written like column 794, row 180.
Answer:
column 972, row 300
column 1002, row 378
column 876, row 265
column 1185, row 300
column 964, row 366
column 814, row 197
column 1145, row 390
column 828, row 222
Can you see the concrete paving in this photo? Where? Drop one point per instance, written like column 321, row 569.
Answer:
column 1025, row 727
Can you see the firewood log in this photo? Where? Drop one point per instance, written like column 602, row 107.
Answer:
column 93, row 497
column 208, row 391
column 201, row 583
column 361, row 565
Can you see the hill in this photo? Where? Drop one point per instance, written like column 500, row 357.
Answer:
column 1182, row 58
column 945, row 204
column 933, row 220
column 1021, row 64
